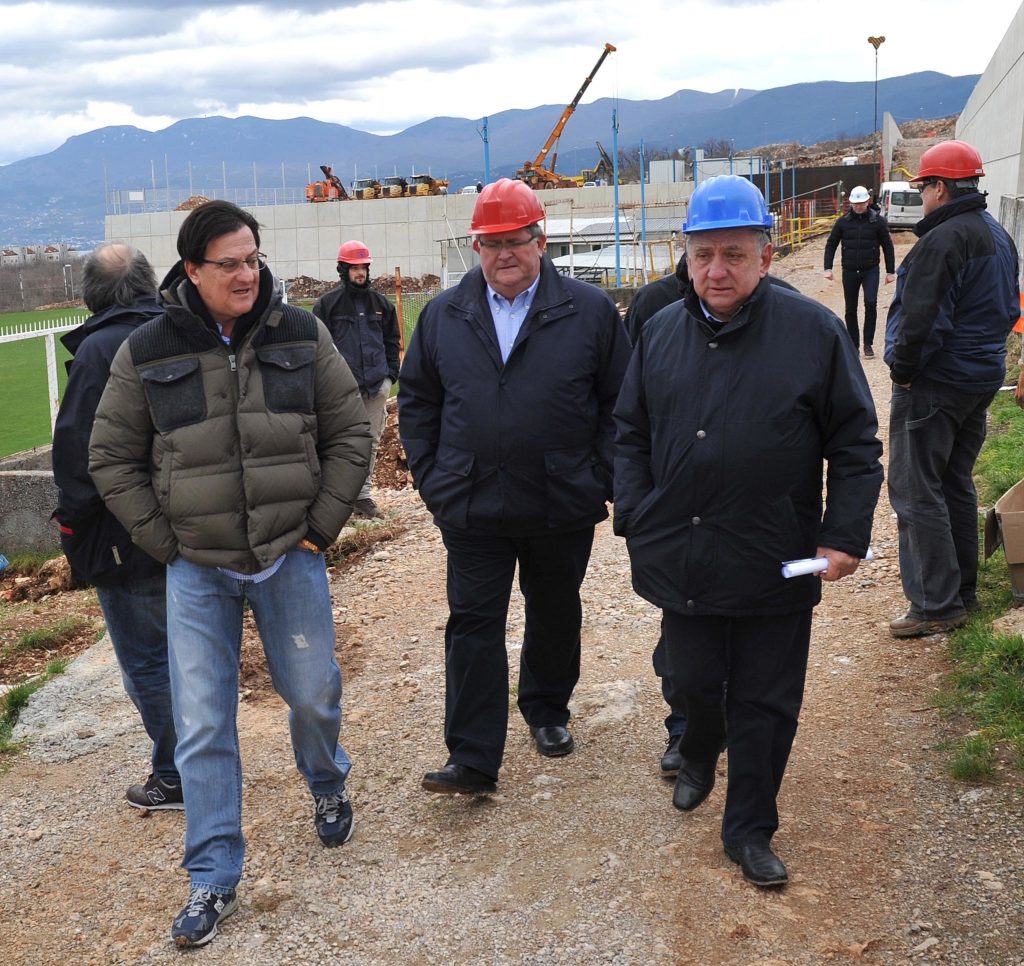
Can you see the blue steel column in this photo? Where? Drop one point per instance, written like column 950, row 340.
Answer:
column 615, row 179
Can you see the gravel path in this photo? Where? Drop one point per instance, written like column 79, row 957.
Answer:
column 576, row 860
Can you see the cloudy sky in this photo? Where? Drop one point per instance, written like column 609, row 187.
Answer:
column 70, row 67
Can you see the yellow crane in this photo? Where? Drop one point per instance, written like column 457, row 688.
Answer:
column 534, row 173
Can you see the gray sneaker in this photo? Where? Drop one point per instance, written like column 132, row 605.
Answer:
column 156, row 795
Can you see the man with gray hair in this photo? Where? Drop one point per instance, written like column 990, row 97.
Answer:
column 119, row 289
column 734, row 399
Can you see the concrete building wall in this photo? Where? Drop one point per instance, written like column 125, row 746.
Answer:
column 993, row 119
column 400, row 232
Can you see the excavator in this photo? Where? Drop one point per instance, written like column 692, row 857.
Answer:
column 534, row 173
column 604, row 170
column 330, row 189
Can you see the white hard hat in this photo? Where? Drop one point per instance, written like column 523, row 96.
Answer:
column 859, row 194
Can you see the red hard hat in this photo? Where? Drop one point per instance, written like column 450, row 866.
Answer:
column 505, row 205
column 950, row 159
column 354, row 253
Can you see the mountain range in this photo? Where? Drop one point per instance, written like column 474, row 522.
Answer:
column 60, row 196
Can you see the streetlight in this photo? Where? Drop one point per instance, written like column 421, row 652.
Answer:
column 876, row 42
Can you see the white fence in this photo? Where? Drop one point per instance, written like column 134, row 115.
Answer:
column 45, row 329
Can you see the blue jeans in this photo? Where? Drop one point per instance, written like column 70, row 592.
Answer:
column 135, row 613
column 935, row 435
column 204, row 624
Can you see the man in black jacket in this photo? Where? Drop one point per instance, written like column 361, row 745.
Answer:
column 119, row 289
column 364, row 326
column 862, row 231
column 734, row 398
column 505, row 405
column 647, row 302
column 945, row 343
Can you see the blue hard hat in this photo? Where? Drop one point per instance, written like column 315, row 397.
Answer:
column 727, row 201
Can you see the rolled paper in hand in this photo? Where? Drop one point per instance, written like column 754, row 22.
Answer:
column 811, row 565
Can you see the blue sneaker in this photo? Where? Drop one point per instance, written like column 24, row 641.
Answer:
column 334, row 820
column 197, row 923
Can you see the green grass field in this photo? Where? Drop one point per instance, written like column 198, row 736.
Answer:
column 23, row 393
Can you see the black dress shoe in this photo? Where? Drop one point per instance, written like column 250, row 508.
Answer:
column 759, row 863
column 553, row 741
column 693, row 784
column 672, row 759
column 456, row 779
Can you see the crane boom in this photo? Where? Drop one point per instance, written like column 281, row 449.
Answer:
column 556, row 133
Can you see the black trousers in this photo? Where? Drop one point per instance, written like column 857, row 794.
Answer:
column 853, row 281
column 763, row 661
column 480, row 574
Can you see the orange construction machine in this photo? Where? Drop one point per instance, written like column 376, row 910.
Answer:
column 330, row 189
column 534, row 173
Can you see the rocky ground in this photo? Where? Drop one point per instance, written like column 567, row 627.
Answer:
column 576, row 860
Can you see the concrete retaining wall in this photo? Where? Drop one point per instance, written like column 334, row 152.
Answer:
column 28, row 496
column 400, row 232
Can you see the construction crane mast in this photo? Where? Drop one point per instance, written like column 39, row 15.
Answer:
column 533, row 172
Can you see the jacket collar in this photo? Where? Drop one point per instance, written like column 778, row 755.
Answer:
column 186, row 308
column 958, row 206
column 552, row 301
column 141, row 310
column 747, row 315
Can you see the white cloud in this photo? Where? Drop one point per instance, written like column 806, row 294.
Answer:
column 68, row 67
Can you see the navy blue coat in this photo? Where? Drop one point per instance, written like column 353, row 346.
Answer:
column 368, row 343
column 522, row 447
column 98, row 548
column 720, row 443
column 956, row 300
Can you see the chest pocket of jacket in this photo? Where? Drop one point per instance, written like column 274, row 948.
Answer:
column 175, row 393
column 287, row 378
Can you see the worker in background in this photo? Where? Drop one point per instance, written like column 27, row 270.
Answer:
column 645, row 304
column 119, row 288
column 733, row 399
column 364, row 326
column 945, row 343
column 861, row 232
column 505, row 412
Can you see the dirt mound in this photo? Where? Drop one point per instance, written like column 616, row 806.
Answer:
column 391, row 471
column 193, row 202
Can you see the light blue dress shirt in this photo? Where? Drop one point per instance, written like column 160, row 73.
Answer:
column 509, row 316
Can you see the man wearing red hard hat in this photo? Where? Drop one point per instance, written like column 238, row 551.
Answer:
column 945, row 345
column 505, row 412
column 364, row 326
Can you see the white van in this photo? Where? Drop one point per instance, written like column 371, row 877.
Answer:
column 901, row 204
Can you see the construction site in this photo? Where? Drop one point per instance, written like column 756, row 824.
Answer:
column 615, row 234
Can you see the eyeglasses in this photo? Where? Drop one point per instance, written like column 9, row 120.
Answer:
column 229, row 266
column 513, row 245
column 923, row 185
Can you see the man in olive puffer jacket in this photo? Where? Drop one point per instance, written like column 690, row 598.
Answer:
column 231, row 443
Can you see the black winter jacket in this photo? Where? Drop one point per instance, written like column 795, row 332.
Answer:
column 99, row 550
column 720, row 439
column 956, row 300
column 525, row 446
column 370, row 343
column 861, row 236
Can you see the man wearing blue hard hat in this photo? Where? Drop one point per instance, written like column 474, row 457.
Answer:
column 734, row 399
